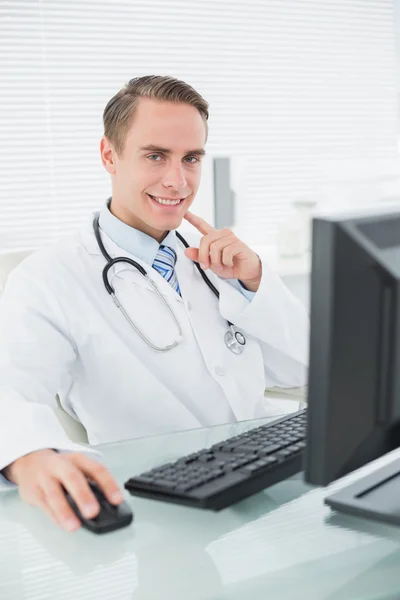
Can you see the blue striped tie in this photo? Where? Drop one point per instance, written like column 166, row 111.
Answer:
column 164, row 263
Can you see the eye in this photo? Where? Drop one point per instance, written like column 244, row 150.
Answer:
column 151, row 157
column 195, row 159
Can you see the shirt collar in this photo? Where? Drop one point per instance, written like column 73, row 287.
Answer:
column 137, row 243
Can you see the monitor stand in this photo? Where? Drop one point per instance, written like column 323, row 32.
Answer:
column 375, row 496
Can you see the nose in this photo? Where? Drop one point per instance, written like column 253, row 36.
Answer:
column 175, row 177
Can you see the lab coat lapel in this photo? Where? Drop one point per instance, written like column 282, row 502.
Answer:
column 126, row 272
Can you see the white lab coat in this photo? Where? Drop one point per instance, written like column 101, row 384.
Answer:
column 60, row 332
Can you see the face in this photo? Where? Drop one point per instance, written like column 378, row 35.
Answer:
column 156, row 177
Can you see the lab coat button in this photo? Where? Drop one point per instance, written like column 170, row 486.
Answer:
column 219, row 370
column 189, row 306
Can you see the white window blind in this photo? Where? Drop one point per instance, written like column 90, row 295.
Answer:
column 298, row 89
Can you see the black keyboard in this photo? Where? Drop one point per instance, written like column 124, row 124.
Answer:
column 231, row 470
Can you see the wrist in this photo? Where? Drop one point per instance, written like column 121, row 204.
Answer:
column 12, row 471
column 6, row 473
column 253, row 284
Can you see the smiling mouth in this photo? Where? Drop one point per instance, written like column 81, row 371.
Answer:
column 166, row 201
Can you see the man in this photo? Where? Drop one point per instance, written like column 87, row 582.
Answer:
column 61, row 333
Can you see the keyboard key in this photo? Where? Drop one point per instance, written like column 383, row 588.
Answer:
column 206, row 458
column 249, row 468
column 283, row 453
column 265, row 450
column 248, row 448
column 184, row 487
column 144, row 479
column 217, row 473
column 187, row 460
column 170, row 485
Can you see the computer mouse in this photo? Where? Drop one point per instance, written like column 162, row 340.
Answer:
column 110, row 517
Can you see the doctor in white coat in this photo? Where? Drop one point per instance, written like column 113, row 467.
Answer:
column 61, row 332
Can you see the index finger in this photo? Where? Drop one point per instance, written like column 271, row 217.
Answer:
column 200, row 224
column 100, row 475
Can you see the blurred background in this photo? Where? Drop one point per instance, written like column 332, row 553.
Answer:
column 303, row 101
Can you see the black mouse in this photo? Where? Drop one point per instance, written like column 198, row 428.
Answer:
column 110, row 517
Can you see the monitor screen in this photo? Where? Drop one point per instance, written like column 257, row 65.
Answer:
column 353, row 413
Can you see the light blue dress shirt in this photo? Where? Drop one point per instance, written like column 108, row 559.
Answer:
column 143, row 246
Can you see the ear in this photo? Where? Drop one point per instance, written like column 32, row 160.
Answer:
column 107, row 154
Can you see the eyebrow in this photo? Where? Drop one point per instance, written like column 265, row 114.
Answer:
column 152, row 148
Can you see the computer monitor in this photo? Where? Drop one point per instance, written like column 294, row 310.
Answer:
column 353, row 413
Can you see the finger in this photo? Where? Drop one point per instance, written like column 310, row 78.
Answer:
column 101, row 476
column 49, row 512
column 34, row 495
column 229, row 253
column 200, row 224
column 192, row 253
column 216, row 251
column 56, row 505
column 76, row 484
column 205, row 243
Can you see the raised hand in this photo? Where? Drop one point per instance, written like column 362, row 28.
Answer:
column 227, row 256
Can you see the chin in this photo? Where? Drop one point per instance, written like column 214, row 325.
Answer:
column 169, row 225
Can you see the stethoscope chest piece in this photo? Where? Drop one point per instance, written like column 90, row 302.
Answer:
column 235, row 341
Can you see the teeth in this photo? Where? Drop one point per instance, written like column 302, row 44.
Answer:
column 165, row 201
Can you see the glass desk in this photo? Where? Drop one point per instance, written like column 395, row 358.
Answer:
column 282, row 543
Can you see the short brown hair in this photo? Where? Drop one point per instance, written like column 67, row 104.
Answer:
column 119, row 111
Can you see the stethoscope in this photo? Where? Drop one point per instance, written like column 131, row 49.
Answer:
column 234, row 340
